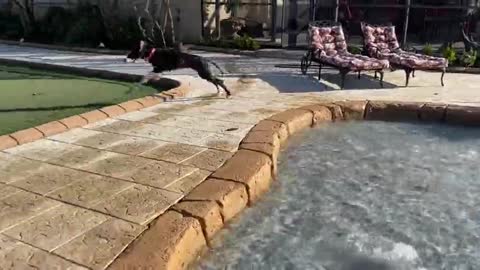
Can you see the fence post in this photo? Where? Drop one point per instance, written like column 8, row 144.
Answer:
column 202, row 18
column 217, row 18
column 274, row 20
column 405, row 24
column 337, row 9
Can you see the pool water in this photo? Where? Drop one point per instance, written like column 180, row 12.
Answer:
column 364, row 196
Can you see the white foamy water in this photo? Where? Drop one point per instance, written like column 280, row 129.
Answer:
column 364, row 196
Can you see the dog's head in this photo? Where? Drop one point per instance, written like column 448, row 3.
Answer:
column 139, row 51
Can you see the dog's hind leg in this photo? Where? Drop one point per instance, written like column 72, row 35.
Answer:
column 218, row 90
column 222, row 84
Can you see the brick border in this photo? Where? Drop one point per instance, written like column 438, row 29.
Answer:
column 177, row 237
column 177, row 90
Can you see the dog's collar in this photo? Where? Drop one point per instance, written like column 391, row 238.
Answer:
column 151, row 54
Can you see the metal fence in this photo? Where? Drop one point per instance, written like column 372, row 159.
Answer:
column 259, row 13
column 416, row 21
column 286, row 21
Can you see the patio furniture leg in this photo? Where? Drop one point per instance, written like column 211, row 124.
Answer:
column 376, row 76
column 407, row 74
column 319, row 71
column 441, row 79
column 343, row 74
column 381, row 78
column 358, row 76
column 413, row 73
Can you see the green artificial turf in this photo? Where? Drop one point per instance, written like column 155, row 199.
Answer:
column 32, row 97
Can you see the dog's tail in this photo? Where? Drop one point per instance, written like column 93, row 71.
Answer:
column 215, row 64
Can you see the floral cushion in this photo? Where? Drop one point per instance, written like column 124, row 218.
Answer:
column 328, row 40
column 381, row 42
column 414, row 60
column 380, row 39
column 354, row 62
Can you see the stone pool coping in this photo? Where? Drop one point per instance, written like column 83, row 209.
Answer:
column 176, row 238
column 177, row 90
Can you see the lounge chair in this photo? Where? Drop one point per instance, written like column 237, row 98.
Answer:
column 381, row 43
column 329, row 48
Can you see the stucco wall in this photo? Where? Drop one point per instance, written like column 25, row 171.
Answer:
column 188, row 19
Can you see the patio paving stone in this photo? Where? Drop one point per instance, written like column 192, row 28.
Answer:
column 99, row 246
column 139, row 204
column 56, row 226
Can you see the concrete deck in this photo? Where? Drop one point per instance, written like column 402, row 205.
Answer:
column 76, row 200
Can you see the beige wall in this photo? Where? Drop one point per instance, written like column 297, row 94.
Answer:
column 188, row 22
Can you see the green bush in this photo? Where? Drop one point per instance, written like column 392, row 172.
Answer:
column 221, row 43
column 242, row 43
column 246, row 43
column 56, row 24
column 10, row 26
column 450, row 53
column 469, row 58
column 88, row 29
column 428, row 49
column 354, row 49
column 123, row 32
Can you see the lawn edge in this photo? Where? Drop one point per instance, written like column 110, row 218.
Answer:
column 178, row 237
column 177, row 90
column 63, row 47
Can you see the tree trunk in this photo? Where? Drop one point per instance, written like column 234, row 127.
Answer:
column 172, row 22
column 27, row 16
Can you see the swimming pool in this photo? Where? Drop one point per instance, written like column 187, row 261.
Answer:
column 364, row 195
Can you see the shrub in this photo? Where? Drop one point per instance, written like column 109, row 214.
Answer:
column 55, row 25
column 355, row 49
column 122, row 33
column 469, row 58
column 88, row 29
column 246, row 43
column 221, row 43
column 428, row 49
column 10, row 26
column 450, row 53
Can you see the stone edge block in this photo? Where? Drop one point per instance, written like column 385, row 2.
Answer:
column 393, row 111
column 52, row 128
column 73, row 121
column 294, row 119
column 130, row 106
column 462, row 115
column 94, row 116
column 324, row 113
column 112, row 111
column 250, row 168
column 27, row 135
column 172, row 242
column 433, row 112
column 208, row 213
column 149, row 101
column 352, row 110
column 232, row 197
column 7, row 141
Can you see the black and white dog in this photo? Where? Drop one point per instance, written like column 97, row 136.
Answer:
column 171, row 59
